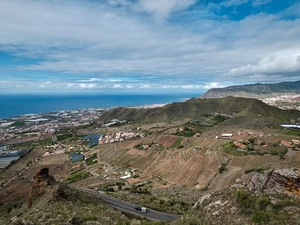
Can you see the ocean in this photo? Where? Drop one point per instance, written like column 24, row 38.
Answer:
column 16, row 105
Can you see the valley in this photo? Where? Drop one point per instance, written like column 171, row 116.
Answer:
column 169, row 164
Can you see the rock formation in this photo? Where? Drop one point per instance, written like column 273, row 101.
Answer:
column 44, row 183
column 278, row 181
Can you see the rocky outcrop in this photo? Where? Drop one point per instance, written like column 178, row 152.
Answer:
column 277, row 181
column 44, row 184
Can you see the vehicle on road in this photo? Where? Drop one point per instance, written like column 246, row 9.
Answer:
column 143, row 209
column 138, row 208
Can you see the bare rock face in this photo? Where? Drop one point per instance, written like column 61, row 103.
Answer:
column 44, row 183
column 278, row 181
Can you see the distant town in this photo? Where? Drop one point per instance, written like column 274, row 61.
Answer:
column 37, row 125
column 284, row 101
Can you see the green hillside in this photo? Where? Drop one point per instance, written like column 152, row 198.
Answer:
column 235, row 107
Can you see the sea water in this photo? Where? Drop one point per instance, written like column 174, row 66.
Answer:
column 16, row 105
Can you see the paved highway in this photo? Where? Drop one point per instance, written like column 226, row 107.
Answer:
column 130, row 207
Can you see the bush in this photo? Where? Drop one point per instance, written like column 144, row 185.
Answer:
column 110, row 189
column 246, row 201
column 222, row 168
column 262, row 203
column 260, row 217
column 241, row 195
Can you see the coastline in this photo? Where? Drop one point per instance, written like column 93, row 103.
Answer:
column 18, row 105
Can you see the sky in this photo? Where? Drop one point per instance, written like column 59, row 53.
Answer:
column 146, row 46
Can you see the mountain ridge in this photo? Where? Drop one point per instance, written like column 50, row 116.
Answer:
column 196, row 107
column 256, row 90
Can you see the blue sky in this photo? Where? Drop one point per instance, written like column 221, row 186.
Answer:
column 116, row 46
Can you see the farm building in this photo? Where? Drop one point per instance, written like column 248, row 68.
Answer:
column 291, row 125
column 93, row 139
column 286, row 143
column 296, row 142
column 75, row 157
column 227, row 135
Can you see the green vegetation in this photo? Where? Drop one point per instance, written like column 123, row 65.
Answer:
column 250, row 205
column 293, row 133
column 219, row 118
column 186, row 132
column 91, row 160
column 74, row 207
column 245, row 208
column 207, row 120
column 258, row 170
column 223, row 168
column 141, row 146
column 260, row 217
column 144, row 196
column 77, row 175
column 230, row 148
column 177, row 144
column 260, row 208
column 136, row 190
column 18, row 124
column 43, row 142
column 64, row 136
column 159, row 148
column 274, row 149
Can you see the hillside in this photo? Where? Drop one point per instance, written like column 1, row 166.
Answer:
column 235, row 108
column 51, row 202
column 178, row 160
column 253, row 90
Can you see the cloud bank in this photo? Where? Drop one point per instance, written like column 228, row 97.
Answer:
column 152, row 45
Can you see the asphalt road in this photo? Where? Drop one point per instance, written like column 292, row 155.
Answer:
column 130, row 207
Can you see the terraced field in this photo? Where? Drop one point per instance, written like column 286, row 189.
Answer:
column 184, row 166
column 209, row 170
column 225, row 179
column 167, row 140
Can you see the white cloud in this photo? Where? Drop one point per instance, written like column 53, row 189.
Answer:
column 283, row 64
column 192, row 86
column 161, row 9
column 87, row 86
column 94, row 80
column 257, row 3
column 123, row 86
column 213, row 85
column 229, row 3
column 120, row 44
column 144, row 86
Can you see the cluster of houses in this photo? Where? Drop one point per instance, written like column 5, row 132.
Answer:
column 99, row 139
column 290, row 143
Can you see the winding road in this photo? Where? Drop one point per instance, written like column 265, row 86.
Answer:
column 130, row 207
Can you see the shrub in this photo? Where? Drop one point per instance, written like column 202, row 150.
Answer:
column 222, row 168
column 260, row 217
column 262, row 203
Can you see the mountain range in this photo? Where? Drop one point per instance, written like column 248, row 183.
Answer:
column 257, row 90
